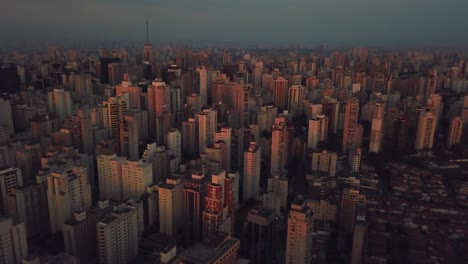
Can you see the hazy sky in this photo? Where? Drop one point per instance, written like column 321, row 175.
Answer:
column 274, row 22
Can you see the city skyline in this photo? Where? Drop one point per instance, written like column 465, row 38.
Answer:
column 260, row 23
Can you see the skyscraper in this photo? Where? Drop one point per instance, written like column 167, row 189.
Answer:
column 171, row 210
column 427, row 123
column 82, row 131
column 349, row 200
column 10, row 178
column 118, row 236
column 202, row 84
column 278, row 146
column 263, row 238
column 59, row 102
column 13, row 243
column 375, row 144
column 207, row 126
column 318, row 131
column 68, row 190
column 251, row 176
column 136, row 177
column 324, row 162
column 194, row 199
column 455, row 131
column 300, row 231
column 295, row 100
column 174, row 142
column 350, row 124
column 9, row 78
column 280, row 93
column 190, row 137
column 278, row 185
column 110, row 177
column 129, row 136
column 114, row 110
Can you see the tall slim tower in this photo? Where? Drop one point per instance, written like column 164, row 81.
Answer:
column 148, row 56
column 427, row 123
column 455, row 131
column 129, row 136
column 251, row 177
column 113, row 111
column 350, row 123
column 375, row 144
column 295, row 99
column 194, row 197
column 278, row 146
column 300, row 231
column 171, row 210
column 280, row 93
column 207, row 126
column 110, row 177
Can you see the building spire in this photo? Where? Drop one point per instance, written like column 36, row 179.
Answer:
column 147, row 32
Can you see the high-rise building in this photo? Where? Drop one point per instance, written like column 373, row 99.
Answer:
column 207, row 126
column 427, row 123
column 224, row 135
column 109, row 169
column 220, row 247
column 159, row 106
column 10, row 178
column 262, row 243
column 190, row 137
column 171, row 210
column 279, row 146
column 129, row 136
column 331, row 110
column 355, row 159
column 6, row 119
column 68, row 190
column 350, row 124
column 136, row 177
column 318, row 131
column 9, row 78
column 280, row 93
column 118, row 236
column 296, row 99
column 13, row 243
column 375, row 143
column 201, row 79
column 266, row 118
column 79, row 233
column 113, row 111
column 401, row 132
column 28, row 204
column 251, row 176
column 174, row 142
column 359, row 238
column 455, row 131
column 349, row 201
column 324, row 162
column 82, row 133
column 300, row 232
column 59, row 102
column 194, row 197
column 278, row 184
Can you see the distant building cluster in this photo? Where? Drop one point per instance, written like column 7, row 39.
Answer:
column 177, row 155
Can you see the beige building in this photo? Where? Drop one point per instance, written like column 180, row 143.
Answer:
column 427, row 123
column 207, row 126
column 324, row 162
column 278, row 146
column 13, row 243
column 300, row 231
column 375, row 143
column 118, row 237
column 323, row 210
column 171, row 209
column 59, row 102
column 318, row 131
column 136, row 177
column 278, row 184
column 354, row 160
column 68, row 190
column 110, row 177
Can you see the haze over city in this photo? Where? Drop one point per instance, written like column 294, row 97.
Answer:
column 396, row 23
